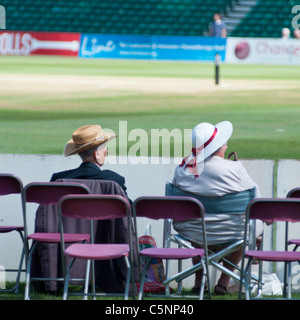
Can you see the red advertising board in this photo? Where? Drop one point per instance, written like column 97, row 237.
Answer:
column 32, row 43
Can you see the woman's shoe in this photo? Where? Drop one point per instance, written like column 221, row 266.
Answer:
column 220, row 289
column 197, row 288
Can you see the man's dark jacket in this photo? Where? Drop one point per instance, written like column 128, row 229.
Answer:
column 89, row 170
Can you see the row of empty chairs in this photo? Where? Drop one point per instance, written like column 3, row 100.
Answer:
column 75, row 200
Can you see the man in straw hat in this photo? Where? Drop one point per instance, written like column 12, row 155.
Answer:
column 89, row 142
column 207, row 173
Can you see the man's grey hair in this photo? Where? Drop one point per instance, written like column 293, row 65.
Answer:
column 88, row 154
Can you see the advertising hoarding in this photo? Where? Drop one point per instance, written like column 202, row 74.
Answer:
column 151, row 47
column 263, row 51
column 33, row 43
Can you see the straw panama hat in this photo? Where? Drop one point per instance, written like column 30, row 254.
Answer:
column 208, row 138
column 85, row 138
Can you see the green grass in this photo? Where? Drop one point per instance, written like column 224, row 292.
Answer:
column 58, row 297
column 266, row 122
column 80, row 66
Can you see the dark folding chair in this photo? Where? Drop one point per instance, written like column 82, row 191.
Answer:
column 178, row 208
column 95, row 207
column 11, row 184
column 270, row 211
column 294, row 193
column 232, row 204
column 45, row 193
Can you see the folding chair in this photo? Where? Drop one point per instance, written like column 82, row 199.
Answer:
column 45, row 193
column 179, row 208
column 269, row 211
column 95, row 207
column 11, row 184
column 234, row 203
column 294, row 193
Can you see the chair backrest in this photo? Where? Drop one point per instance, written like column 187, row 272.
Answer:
column 94, row 207
column 272, row 210
column 233, row 203
column 294, row 193
column 177, row 208
column 10, row 184
column 169, row 208
column 50, row 192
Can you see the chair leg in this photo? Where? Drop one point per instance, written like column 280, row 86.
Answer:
column 205, row 275
column 295, row 249
column 67, row 278
column 93, row 279
column 247, row 280
column 87, row 280
column 28, row 269
column 288, row 285
column 141, row 292
column 140, row 295
column 126, row 296
column 19, row 270
column 20, row 264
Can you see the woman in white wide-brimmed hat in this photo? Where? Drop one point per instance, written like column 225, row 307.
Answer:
column 206, row 172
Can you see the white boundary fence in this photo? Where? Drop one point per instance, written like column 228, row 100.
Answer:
column 141, row 179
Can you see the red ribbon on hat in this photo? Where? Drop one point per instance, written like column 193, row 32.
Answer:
column 195, row 152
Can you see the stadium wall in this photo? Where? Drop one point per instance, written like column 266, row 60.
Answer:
column 231, row 50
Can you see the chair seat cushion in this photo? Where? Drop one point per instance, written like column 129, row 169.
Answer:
column 273, row 255
column 55, row 237
column 4, row 229
column 97, row 251
column 172, row 253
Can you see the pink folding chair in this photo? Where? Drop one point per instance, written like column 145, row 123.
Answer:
column 11, row 184
column 177, row 208
column 92, row 208
column 46, row 193
column 269, row 211
column 294, row 193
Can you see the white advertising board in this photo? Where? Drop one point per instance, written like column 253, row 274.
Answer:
column 263, row 51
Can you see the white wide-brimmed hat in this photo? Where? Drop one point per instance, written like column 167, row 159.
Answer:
column 86, row 138
column 206, row 139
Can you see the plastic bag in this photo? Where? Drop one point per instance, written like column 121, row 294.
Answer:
column 271, row 286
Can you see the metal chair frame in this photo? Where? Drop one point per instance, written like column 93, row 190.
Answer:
column 45, row 193
column 172, row 208
column 11, row 184
column 211, row 205
column 294, row 193
column 270, row 210
column 95, row 207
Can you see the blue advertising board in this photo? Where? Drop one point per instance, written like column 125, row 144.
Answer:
column 151, row 47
